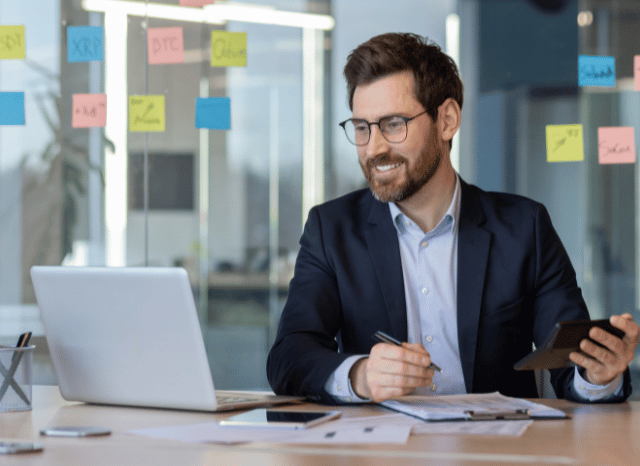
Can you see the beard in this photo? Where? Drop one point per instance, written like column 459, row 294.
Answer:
column 399, row 189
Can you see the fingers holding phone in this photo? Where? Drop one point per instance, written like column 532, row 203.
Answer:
column 608, row 355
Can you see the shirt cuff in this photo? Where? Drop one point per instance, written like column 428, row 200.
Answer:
column 338, row 384
column 591, row 392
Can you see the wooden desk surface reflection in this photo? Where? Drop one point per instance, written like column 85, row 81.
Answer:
column 596, row 435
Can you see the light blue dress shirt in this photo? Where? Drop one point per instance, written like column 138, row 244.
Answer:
column 429, row 268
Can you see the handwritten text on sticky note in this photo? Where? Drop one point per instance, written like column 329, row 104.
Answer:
column 89, row 110
column 228, row 48
column 146, row 113
column 196, row 2
column 85, row 43
column 165, row 45
column 564, row 143
column 616, row 145
column 213, row 113
column 12, row 46
column 596, row 71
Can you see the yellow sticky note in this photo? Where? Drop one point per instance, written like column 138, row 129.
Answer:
column 146, row 113
column 564, row 143
column 12, row 45
column 228, row 48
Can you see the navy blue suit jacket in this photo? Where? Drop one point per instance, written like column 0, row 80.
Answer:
column 515, row 281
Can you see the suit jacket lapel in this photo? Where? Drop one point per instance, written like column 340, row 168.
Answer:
column 473, row 252
column 382, row 240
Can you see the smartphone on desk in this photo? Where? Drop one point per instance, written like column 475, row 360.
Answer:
column 8, row 447
column 285, row 419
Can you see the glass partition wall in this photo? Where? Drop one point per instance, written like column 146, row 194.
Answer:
column 227, row 205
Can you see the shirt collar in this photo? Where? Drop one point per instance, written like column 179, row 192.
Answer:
column 449, row 220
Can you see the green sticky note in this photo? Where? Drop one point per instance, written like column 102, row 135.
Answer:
column 12, row 45
column 564, row 143
column 146, row 113
column 228, row 48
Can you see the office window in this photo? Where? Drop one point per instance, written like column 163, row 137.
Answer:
column 229, row 205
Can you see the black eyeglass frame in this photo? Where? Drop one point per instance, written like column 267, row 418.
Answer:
column 406, row 126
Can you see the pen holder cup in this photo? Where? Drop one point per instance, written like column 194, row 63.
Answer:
column 16, row 375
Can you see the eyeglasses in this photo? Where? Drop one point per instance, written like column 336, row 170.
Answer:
column 393, row 128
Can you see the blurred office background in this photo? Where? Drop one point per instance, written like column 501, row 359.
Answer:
column 229, row 206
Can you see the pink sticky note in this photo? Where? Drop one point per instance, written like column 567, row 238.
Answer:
column 636, row 72
column 165, row 45
column 196, row 2
column 89, row 110
column 616, row 145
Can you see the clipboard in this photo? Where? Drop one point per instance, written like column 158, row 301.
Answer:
column 426, row 414
column 565, row 338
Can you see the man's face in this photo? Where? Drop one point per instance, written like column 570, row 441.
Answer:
column 396, row 171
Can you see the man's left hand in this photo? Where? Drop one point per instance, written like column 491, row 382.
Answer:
column 605, row 364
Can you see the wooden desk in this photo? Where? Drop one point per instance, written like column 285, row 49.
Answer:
column 597, row 435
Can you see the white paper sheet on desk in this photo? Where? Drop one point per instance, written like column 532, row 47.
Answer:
column 500, row 428
column 212, row 432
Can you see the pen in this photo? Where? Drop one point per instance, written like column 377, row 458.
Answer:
column 384, row 338
column 23, row 341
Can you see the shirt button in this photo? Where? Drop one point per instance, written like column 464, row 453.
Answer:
column 433, row 387
column 425, row 290
column 339, row 388
column 348, row 399
column 428, row 338
column 424, row 244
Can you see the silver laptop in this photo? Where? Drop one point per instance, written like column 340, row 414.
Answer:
column 130, row 336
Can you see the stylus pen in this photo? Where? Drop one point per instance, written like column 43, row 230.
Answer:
column 384, row 338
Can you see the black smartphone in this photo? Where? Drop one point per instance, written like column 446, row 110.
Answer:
column 287, row 419
column 564, row 339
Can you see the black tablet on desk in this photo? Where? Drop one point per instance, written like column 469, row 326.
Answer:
column 564, row 339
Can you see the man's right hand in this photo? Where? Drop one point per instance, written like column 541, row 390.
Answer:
column 391, row 371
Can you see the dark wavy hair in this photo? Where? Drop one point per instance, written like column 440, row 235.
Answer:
column 436, row 74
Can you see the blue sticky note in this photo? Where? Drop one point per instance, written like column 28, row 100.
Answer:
column 596, row 71
column 213, row 113
column 11, row 108
column 85, row 43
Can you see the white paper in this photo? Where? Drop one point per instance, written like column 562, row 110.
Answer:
column 212, row 432
column 343, row 434
column 500, row 428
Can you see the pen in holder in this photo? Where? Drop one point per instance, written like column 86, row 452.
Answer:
column 16, row 378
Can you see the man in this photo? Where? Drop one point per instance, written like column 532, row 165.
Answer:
column 468, row 279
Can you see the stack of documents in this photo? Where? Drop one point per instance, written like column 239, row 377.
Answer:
column 490, row 406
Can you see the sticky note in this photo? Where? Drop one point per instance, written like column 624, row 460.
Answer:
column 636, row 72
column 12, row 45
column 213, row 113
column 616, row 145
column 596, row 71
column 165, row 45
column 11, row 108
column 85, row 43
column 228, row 48
column 564, row 143
column 196, row 2
column 146, row 113
column 89, row 110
